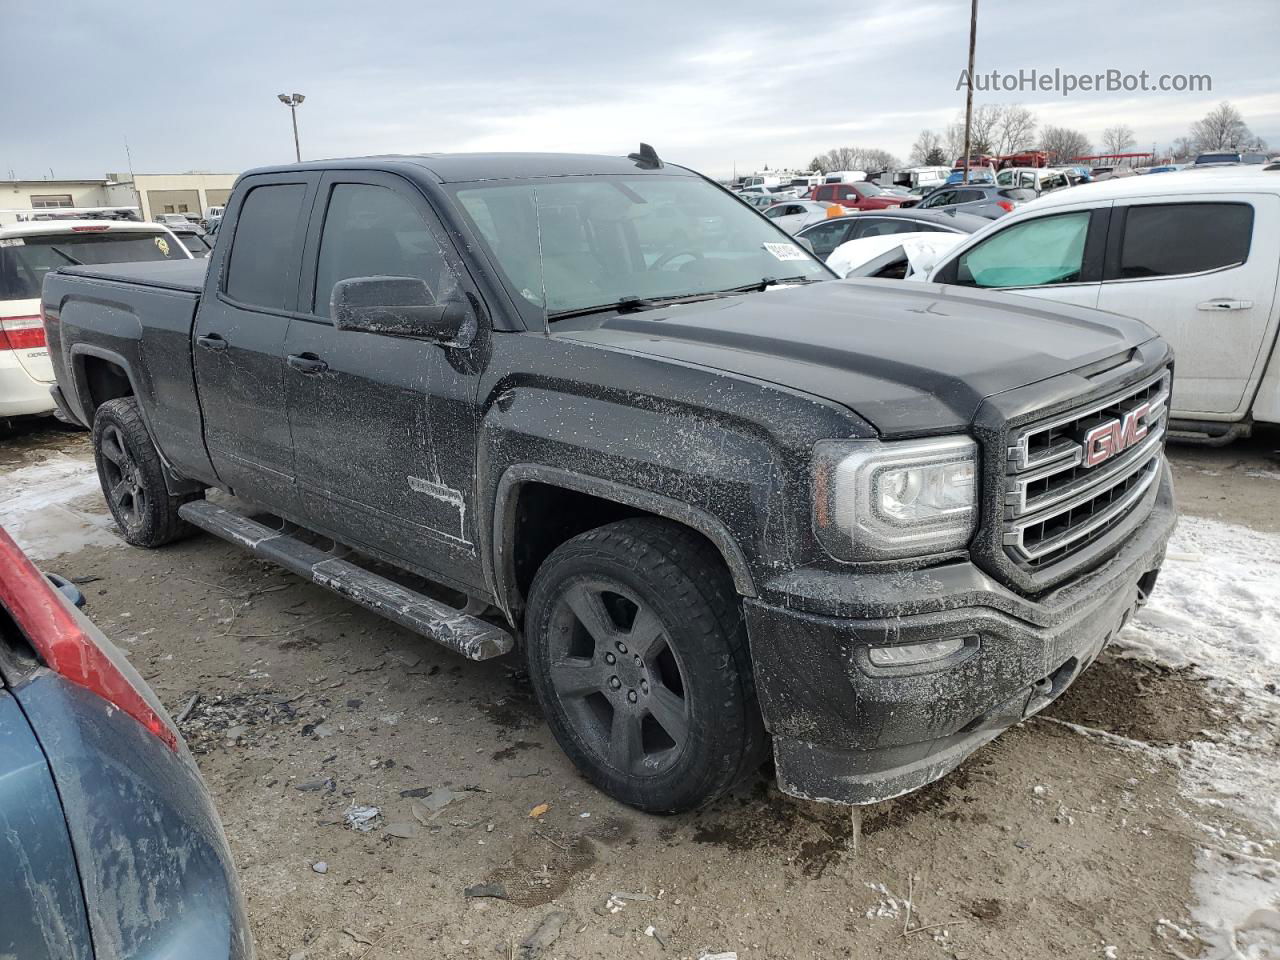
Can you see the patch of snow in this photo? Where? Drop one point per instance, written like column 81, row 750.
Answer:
column 1216, row 605
column 1216, row 608
column 1238, row 908
column 38, row 507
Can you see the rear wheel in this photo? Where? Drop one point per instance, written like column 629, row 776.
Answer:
column 132, row 477
column 637, row 652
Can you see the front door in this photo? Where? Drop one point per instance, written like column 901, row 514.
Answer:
column 1055, row 257
column 239, row 338
column 382, row 433
column 1202, row 274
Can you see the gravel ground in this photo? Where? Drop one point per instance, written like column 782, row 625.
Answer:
column 1079, row 834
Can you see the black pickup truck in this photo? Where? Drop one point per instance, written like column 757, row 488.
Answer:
column 599, row 409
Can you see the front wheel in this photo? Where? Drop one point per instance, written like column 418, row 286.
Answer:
column 638, row 655
column 132, row 477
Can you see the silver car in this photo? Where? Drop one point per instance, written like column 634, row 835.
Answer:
column 981, row 199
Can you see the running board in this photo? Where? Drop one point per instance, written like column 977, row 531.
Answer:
column 448, row 626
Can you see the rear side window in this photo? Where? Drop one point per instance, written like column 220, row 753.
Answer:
column 266, row 247
column 371, row 231
column 24, row 261
column 1168, row 239
column 881, row 227
column 1018, row 193
column 827, row 236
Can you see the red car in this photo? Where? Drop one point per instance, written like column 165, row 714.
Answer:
column 856, row 196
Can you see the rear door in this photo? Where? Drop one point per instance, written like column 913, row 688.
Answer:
column 383, row 428
column 239, row 337
column 1202, row 273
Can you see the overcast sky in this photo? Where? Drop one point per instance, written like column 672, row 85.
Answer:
column 711, row 84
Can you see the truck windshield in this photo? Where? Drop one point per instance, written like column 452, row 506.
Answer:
column 24, row 261
column 580, row 242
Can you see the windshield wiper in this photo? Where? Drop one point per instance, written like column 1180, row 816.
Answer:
column 632, row 304
column 764, row 283
column 66, row 256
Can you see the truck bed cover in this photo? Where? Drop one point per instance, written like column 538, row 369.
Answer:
column 184, row 275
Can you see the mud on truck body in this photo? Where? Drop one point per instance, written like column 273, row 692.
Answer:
column 598, row 409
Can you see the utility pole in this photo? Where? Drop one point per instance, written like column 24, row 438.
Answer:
column 292, row 101
column 968, row 97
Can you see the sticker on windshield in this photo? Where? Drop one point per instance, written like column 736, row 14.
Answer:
column 12, row 242
column 786, row 251
column 163, row 245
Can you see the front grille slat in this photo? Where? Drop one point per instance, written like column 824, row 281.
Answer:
column 1056, row 504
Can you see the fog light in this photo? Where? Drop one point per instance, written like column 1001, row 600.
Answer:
column 910, row 654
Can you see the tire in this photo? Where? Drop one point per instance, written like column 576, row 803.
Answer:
column 638, row 655
column 132, row 477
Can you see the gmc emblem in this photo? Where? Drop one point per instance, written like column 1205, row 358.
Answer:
column 1104, row 441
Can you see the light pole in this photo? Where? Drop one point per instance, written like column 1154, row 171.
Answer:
column 968, row 97
column 291, row 100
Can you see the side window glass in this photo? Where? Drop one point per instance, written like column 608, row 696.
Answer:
column 266, row 246
column 1167, row 239
column 827, row 237
column 371, row 231
column 1034, row 253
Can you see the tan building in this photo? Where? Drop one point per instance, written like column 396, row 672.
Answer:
column 150, row 194
column 158, row 193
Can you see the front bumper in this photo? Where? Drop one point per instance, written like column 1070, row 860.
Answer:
column 847, row 731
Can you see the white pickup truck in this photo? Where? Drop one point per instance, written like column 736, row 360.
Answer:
column 1194, row 254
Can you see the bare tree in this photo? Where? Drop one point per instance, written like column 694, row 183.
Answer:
column 1117, row 139
column 1223, row 128
column 854, row 158
column 1016, row 130
column 985, row 130
column 954, row 137
column 927, row 150
column 1063, row 143
column 1184, row 148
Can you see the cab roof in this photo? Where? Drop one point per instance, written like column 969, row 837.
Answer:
column 1251, row 179
column 470, row 167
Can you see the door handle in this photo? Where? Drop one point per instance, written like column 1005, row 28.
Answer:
column 1219, row 305
column 307, row 363
column 212, row 342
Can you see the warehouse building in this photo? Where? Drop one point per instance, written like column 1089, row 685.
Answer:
column 150, row 194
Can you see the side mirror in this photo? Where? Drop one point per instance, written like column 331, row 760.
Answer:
column 400, row 307
column 807, row 244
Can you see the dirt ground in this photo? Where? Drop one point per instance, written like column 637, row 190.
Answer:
column 1063, row 838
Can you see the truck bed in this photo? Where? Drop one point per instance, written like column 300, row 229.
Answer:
column 138, row 317
column 184, row 275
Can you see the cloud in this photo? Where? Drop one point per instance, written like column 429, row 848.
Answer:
column 714, row 86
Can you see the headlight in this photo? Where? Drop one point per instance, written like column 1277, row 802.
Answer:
column 876, row 500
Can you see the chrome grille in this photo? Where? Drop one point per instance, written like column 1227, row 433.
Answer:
column 1056, row 502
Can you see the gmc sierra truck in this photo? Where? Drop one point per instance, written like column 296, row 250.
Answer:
column 599, row 409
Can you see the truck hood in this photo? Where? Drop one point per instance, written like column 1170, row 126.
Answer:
column 910, row 358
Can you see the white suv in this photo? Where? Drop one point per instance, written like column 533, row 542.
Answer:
column 27, row 252
column 1194, row 254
